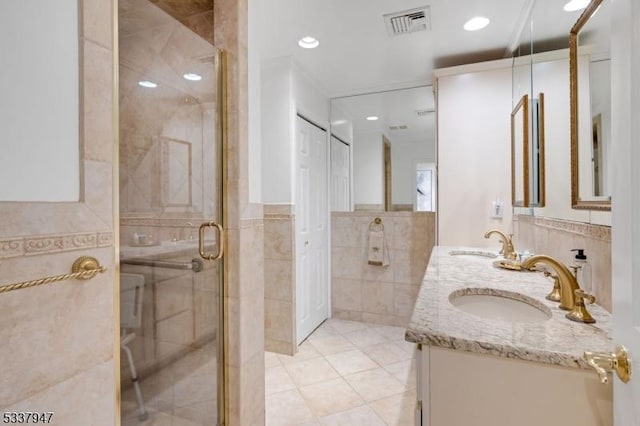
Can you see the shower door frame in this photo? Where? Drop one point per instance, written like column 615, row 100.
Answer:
column 222, row 173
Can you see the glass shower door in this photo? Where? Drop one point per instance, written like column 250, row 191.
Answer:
column 170, row 80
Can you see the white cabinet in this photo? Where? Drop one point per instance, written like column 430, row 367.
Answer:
column 457, row 388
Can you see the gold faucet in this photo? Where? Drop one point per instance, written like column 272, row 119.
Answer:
column 507, row 245
column 571, row 295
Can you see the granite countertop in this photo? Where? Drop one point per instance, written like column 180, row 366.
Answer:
column 558, row 341
column 164, row 249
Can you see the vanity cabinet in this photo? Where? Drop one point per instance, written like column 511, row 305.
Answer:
column 482, row 369
column 458, row 388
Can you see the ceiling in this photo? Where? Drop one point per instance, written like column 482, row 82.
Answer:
column 356, row 55
column 394, row 108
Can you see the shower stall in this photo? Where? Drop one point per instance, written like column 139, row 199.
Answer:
column 171, row 112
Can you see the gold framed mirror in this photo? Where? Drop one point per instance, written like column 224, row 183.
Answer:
column 590, row 102
column 538, row 179
column 520, row 153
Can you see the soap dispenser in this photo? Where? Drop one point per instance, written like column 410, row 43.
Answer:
column 582, row 269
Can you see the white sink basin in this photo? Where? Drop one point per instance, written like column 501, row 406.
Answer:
column 472, row 253
column 499, row 305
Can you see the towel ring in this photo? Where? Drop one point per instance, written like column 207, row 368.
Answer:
column 376, row 225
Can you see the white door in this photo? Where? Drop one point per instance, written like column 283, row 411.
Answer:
column 625, row 264
column 340, row 176
column 312, row 289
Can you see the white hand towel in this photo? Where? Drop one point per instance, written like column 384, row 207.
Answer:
column 377, row 250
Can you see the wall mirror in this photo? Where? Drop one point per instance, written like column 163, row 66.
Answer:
column 591, row 118
column 520, row 153
column 175, row 172
column 41, row 161
column 391, row 136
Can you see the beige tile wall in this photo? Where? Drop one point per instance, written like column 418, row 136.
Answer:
column 244, row 262
column 280, row 265
column 71, row 362
column 58, row 352
column 557, row 237
column 376, row 294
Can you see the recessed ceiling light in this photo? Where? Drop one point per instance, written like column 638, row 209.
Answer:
column 372, row 118
column 308, row 42
column 147, row 83
column 477, row 23
column 192, row 76
column 574, row 5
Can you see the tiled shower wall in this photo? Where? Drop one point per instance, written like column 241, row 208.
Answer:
column 556, row 237
column 377, row 294
column 279, row 272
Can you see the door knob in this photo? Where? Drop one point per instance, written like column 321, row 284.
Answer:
column 617, row 361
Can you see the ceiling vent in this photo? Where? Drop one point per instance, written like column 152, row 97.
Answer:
column 424, row 112
column 408, row 21
column 400, row 127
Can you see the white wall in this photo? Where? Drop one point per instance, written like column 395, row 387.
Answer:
column 310, row 99
column 286, row 91
column 368, row 168
column 40, row 158
column 255, row 145
column 403, row 169
column 474, row 154
column 277, row 134
column 341, row 124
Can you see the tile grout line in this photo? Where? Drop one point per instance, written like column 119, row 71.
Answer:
column 386, row 340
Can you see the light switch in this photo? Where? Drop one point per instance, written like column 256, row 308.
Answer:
column 497, row 209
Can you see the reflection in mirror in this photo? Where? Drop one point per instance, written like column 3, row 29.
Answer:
column 176, row 171
column 425, row 184
column 520, row 153
column 591, row 108
column 39, row 77
column 537, row 183
column 404, row 121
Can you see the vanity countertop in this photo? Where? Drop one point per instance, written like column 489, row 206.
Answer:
column 558, row 341
column 164, row 249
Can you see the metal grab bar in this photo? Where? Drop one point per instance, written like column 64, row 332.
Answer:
column 195, row 265
column 84, row 268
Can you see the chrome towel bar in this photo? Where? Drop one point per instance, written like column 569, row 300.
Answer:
column 195, row 265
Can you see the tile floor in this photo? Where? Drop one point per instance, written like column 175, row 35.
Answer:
column 346, row 373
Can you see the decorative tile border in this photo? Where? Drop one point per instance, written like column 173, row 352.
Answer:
column 600, row 232
column 105, row 239
column 11, row 248
column 279, row 211
column 34, row 246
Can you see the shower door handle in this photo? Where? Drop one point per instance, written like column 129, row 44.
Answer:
column 211, row 256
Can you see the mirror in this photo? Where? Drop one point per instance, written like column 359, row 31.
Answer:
column 40, row 160
column 527, row 153
column 391, row 136
column 590, row 97
column 175, row 172
column 520, row 153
